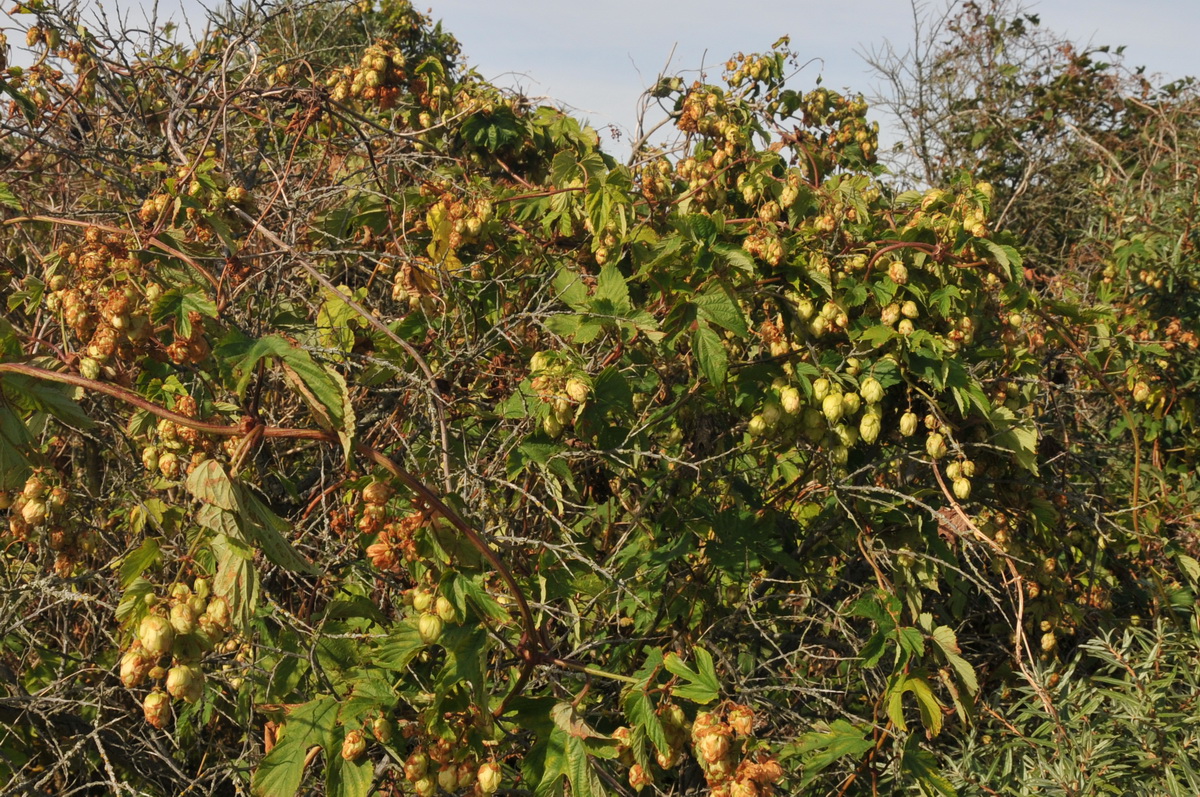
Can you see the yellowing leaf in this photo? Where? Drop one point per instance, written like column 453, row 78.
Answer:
column 209, row 483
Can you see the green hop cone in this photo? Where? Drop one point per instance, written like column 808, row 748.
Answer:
column 135, row 666
column 156, row 708
column 89, row 368
column 34, row 489
column 868, row 428
column 34, row 513
column 422, row 599
column 832, row 408
column 354, row 745
column 444, row 609
column 416, row 765
column 577, row 389
column 771, row 414
column 757, row 426
column 871, row 390
column 217, row 611
column 156, row 634
column 935, row 446
column 183, row 618
column 790, row 401
column 489, row 777
column 846, row 435
column 150, row 458
column 168, row 465
column 377, row 493
column 851, row 402
column 447, row 778
column 185, row 682
column 382, row 729
column 429, row 626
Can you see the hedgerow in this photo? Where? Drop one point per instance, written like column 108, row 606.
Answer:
column 366, row 429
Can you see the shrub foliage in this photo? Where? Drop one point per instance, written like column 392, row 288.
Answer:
column 366, row 429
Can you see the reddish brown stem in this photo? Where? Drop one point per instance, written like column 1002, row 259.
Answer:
column 901, row 245
column 530, row 640
column 370, row 318
column 431, row 499
column 118, row 231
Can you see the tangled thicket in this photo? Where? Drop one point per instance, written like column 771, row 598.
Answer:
column 365, row 429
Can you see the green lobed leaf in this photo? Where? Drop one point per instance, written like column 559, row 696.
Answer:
column 716, row 306
column 466, row 592
column 928, row 704
column 921, row 765
column 895, row 700
column 1006, row 257
column 402, row 645
column 465, row 648
column 209, row 483
column 1018, row 435
column 710, row 354
column 947, row 642
column 735, row 256
column 1189, row 565
column 584, row 780
column 333, row 322
column 911, row 641
column 219, row 520
column 133, row 604
column 7, row 198
column 14, row 442
column 138, row 561
column 640, row 711
column 281, row 771
column 874, row 648
column 354, row 607
column 43, row 396
column 611, row 288
column 23, row 102
column 176, row 305
column 262, row 526
column 571, row 290
column 702, row 685
column 236, row 579
column 568, row 719
column 318, row 388
column 546, row 764
column 315, row 385
column 820, row 748
column 349, row 778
